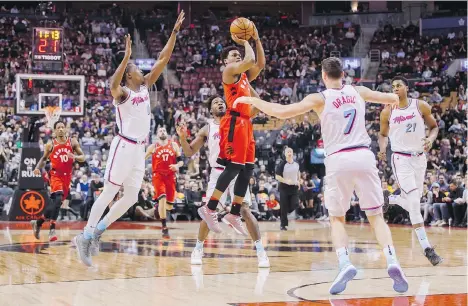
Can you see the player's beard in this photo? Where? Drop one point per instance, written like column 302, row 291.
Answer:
column 220, row 113
column 163, row 138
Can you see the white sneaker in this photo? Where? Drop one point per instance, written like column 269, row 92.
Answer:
column 346, row 274
column 263, row 261
column 321, row 218
column 442, row 223
column 326, row 218
column 196, row 257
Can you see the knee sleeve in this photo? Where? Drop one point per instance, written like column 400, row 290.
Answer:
column 414, row 207
column 242, row 182
column 229, row 173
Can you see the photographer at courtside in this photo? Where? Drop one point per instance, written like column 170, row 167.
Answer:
column 288, row 176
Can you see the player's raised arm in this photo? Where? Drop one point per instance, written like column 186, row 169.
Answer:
column 165, row 54
column 431, row 123
column 150, row 151
column 115, row 88
column 313, row 102
column 237, row 68
column 47, row 150
column 383, row 133
column 253, row 72
column 196, row 144
column 77, row 149
column 376, row 96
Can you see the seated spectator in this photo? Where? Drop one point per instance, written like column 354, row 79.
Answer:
column 435, row 96
column 143, row 210
column 426, row 203
column 273, row 208
column 385, row 55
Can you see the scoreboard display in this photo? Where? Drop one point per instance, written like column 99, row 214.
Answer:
column 47, row 53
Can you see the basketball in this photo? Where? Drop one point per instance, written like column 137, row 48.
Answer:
column 242, row 28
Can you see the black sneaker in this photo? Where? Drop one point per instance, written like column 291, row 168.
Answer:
column 36, row 229
column 434, row 259
column 283, row 228
column 165, row 233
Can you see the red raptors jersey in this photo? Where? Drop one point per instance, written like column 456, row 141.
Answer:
column 239, row 89
column 163, row 157
column 61, row 164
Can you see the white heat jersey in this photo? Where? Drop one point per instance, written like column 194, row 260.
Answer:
column 213, row 143
column 407, row 129
column 133, row 115
column 343, row 121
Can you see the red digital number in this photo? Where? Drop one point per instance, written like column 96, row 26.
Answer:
column 42, row 45
column 56, row 42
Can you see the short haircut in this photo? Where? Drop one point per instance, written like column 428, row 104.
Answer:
column 333, row 67
column 59, row 121
column 226, row 51
column 210, row 100
column 400, row 78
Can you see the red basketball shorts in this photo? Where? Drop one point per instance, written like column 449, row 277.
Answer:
column 60, row 183
column 237, row 144
column 164, row 185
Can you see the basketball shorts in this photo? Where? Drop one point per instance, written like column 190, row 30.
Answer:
column 60, row 183
column 214, row 175
column 237, row 144
column 164, row 186
column 349, row 171
column 126, row 163
column 409, row 171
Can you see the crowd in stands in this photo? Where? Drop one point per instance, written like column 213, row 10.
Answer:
column 293, row 57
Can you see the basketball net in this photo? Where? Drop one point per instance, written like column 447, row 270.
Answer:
column 52, row 114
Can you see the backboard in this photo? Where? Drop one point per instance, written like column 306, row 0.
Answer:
column 38, row 91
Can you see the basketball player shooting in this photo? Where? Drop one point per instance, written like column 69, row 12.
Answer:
column 166, row 161
column 62, row 152
column 210, row 133
column 350, row 165
column 406, row 127
column 126, row 164
column 237, row 144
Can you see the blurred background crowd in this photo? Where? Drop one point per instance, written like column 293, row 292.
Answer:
column 93, row 47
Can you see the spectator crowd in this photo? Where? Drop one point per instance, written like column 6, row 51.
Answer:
column 293, row 56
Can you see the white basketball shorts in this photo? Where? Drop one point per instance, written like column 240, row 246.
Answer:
column 126, row 163
column 409, row 171
column 214, row 175
column 348, row 171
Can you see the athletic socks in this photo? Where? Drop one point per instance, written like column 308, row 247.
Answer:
column 390, row 255
column 213, row 203
column 52, row 225
column 88, row 232
column 40, row 221
column 422, row 237
column 236, row 208
column 259, row 246
column 199, row 245
column 343, row 257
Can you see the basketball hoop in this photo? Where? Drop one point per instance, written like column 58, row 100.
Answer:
column 52, row 114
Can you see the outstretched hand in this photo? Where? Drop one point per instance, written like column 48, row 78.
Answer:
column 179, row 21
column 128, row 46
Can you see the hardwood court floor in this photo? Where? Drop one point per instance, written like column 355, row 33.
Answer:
column 136, row 267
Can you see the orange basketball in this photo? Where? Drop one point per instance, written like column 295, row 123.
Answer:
column 242, row 28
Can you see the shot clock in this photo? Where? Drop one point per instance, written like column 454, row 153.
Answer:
column 47, row 53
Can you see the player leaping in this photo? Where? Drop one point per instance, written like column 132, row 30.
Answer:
column 237, row 144
column 62, row 152
column 406, row 127
column 165, row 161
column 350, row 165
column 210, row 133
column 126, row 164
